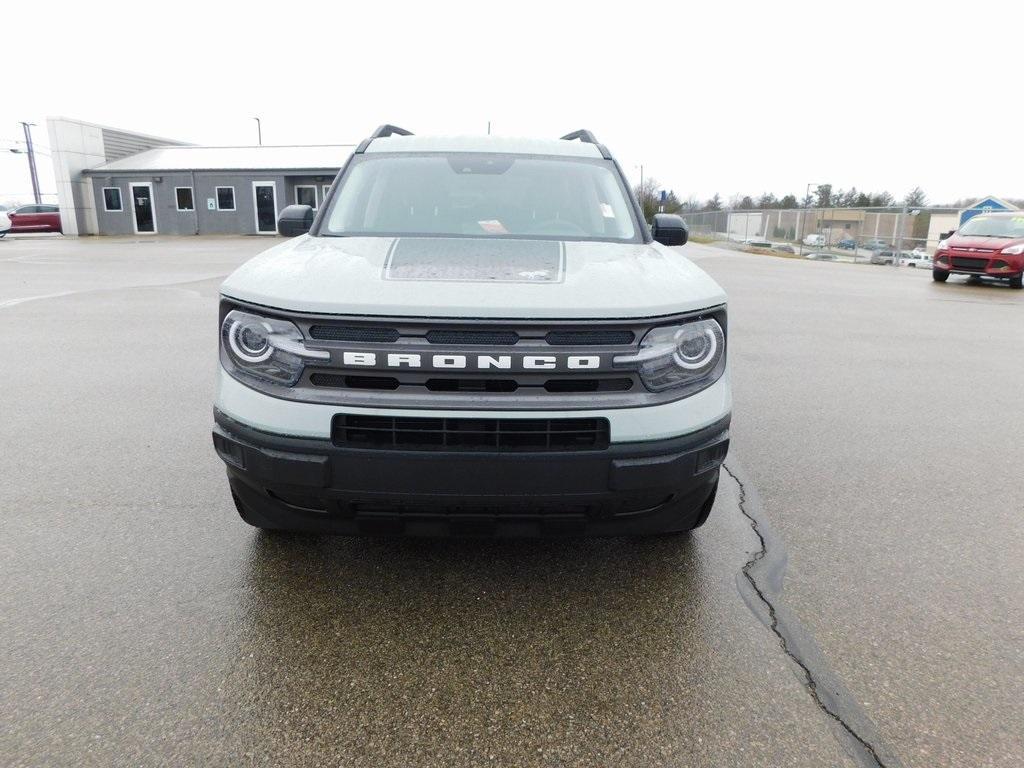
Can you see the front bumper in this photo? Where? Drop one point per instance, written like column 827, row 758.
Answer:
column 311, row 484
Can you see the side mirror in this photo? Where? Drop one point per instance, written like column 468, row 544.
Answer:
column 669, row 229
column 295, row 220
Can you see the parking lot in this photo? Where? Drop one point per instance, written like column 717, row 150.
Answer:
column 855, row 598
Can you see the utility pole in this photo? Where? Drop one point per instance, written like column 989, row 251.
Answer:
column 488, row 127
column 32, row 161
column 259, row 131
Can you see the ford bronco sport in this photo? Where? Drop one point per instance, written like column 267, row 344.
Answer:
column 474, row 336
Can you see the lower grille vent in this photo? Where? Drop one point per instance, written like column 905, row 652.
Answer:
column 459, row 434
column 964, row 262
column 353, row 382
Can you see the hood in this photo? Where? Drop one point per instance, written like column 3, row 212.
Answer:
column 983, row 243
column 473, row 277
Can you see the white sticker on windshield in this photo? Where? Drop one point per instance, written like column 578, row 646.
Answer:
column 493, row 226
column 606, row 211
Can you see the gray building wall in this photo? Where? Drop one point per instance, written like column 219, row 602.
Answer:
column 76, row 146
column 203, row 220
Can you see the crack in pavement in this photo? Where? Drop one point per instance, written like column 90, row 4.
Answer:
column 763, row 575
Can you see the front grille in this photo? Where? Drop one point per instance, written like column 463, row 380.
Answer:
column 353, row 333
column 588, row 385
column 473, row 384
column 353, row 382
column 461, row 434
column 963, row 262
column 456, row 337
column 588, row 338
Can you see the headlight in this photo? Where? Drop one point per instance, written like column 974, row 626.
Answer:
column 1014, row 250
column 690, row 357
column 266, row 348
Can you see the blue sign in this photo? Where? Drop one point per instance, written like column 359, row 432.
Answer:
column 983, row 205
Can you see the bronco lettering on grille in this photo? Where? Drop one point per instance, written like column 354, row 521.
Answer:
column 397, row 360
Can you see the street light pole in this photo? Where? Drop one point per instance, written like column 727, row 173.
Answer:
column 802, row 216
column 31, row 161
column 259, row 131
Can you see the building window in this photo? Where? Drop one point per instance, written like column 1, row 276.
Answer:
column 326, row 189
column 183, row 197
column 225, row 198
column 112, row 199
column 305, row 194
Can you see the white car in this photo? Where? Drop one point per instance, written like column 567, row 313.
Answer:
column 815, row 241
column 916, row 259
column 5, row 222
column 474, row 336
column 820, row 256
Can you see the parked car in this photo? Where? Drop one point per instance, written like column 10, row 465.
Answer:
column 311, row 429
column 757, row 242
column 921, row 252
column 35, row 218
column 5, row 223
column 989, row 244
column 815, row 241
column 784, row 247
column 875, row 245
column 916, row 259
column 847, row 244
column 888, row 256
column 820, row 256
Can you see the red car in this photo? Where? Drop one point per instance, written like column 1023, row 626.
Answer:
column 988, row 245
column 35, row 218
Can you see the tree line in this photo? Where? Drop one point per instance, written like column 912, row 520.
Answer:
column 649, row 196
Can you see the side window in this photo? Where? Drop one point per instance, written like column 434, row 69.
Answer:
column 225, row 198
column 183, row 198
column 29, row 209
column 112, row 199
column 49, row 209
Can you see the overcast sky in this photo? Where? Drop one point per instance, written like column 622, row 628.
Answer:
column 734, row 98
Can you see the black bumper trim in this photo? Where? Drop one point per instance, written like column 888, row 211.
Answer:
column 315, row 485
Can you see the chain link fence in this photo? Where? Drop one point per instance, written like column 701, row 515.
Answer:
column 896, row 236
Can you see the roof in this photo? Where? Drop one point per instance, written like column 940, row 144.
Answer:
column 264, row 158
column 503, row 144
column 990, row 202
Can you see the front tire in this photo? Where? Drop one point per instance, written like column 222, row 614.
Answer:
column 940, row 275
column 1017, row 281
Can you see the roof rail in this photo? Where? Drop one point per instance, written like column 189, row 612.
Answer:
column 588, row 138
column 382, row 132
column 583, row 135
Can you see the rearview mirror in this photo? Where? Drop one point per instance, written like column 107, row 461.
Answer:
column 669, row 229
column 295, row 220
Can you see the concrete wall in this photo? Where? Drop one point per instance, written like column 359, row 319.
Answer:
column 203, row 220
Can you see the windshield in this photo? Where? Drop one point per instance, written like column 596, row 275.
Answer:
column 994, row 226
column 481, row 195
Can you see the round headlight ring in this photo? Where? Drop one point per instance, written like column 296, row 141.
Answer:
column 706, row 355
column 244, row 348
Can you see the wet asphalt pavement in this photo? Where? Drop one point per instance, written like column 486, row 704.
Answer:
column 877, row 439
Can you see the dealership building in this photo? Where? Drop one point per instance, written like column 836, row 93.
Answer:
column 116, row 182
